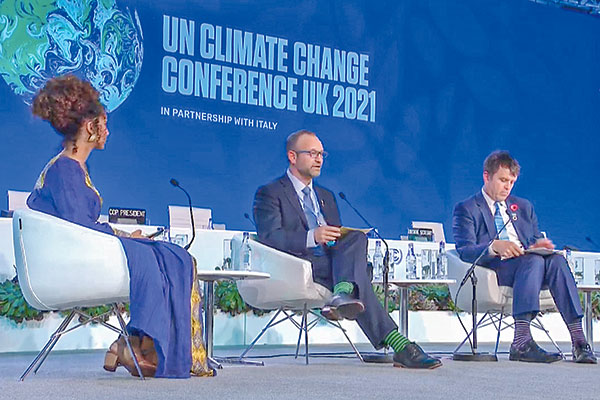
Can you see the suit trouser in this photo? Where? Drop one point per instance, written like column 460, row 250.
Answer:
column 347, row 262
column 530, row 273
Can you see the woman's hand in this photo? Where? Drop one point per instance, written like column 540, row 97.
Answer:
column 137, row 234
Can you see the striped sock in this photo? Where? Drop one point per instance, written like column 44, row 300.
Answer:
column 343, row 288
column 522, row 332
column 396, row 341
column 576, row 332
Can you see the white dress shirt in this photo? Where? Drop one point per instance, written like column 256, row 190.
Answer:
column 510, row 228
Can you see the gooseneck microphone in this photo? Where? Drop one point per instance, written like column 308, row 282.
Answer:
column 249, row 218
column 386, row 258
column 177, row 185
column 343, row 197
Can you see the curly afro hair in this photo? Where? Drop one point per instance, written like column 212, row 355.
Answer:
column 67, row 102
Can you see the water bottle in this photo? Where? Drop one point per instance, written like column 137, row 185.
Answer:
column 377, row 261
column 246, row 253
column 391, row 263
column 411, row 263
column 442, row 262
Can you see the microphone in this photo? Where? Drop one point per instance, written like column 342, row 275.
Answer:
column 386, row 258
column 177, row 185
column 247, row 216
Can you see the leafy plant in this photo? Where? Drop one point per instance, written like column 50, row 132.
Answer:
column 228, row 300
column 425, row 297
column 13, row 305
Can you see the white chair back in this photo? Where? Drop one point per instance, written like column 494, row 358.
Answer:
column 17, row 199
column 290, row 286
column 61, row 265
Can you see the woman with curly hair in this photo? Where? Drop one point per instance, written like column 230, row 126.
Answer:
column 165, row 324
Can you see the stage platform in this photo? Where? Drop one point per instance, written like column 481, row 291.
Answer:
column 79, row 375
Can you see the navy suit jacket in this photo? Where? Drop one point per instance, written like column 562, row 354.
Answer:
column 280, row 220
column 473, row 227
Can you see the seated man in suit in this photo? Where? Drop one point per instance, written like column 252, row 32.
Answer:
column 295, row 215
column 478, row 220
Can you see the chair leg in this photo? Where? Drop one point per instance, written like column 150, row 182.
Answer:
column 498, row 336
column 43, row 354
column 126, row 336
column 305, row 316
column 257, row 338
column 468, row 337
column 538, row 324
column 300, row 329
column 337, row 324
column 351, row 344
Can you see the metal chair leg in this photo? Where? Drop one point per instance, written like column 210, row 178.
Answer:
column 305, row 315
column 256, row 339
column 351, row 344
column 126, row 336
column 479, row 323
column 543, row 328
column 337, row 325
column 498, row 336
column 43, row 354
column 300, row 329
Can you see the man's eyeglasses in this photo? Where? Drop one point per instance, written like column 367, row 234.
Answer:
column 313, row 153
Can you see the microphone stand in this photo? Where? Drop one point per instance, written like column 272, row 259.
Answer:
column 474, row 355
column 377, row 357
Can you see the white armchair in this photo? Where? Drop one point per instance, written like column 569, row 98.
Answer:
column 289, row 289
column 65, row 266
column 494, row 301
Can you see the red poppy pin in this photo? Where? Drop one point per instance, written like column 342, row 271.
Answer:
column 514, row 207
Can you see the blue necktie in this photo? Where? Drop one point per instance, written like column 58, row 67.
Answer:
column 499, row 222
column 309, row 211
column 311, row 217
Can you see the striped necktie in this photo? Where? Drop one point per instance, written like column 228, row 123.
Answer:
column 499, row 222
column 311, row 217
column 309, row 210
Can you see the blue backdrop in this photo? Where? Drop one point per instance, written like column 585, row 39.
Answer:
column 443, row 84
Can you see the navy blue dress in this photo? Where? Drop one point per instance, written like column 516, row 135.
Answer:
column 161, row 273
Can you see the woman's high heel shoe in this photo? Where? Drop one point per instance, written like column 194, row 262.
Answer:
column 148, row 369
column 111, row 359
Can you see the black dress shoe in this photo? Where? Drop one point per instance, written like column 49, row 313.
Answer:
column 583, row 354
column 413, row 356
column 531, row 352
column 342, row 306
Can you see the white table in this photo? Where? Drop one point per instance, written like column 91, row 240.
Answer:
column 587, row 310
column 209, row 277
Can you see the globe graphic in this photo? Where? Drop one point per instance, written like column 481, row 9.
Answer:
column 94, row 40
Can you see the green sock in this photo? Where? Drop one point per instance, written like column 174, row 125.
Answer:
column 343, row 288
column 396, row 341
